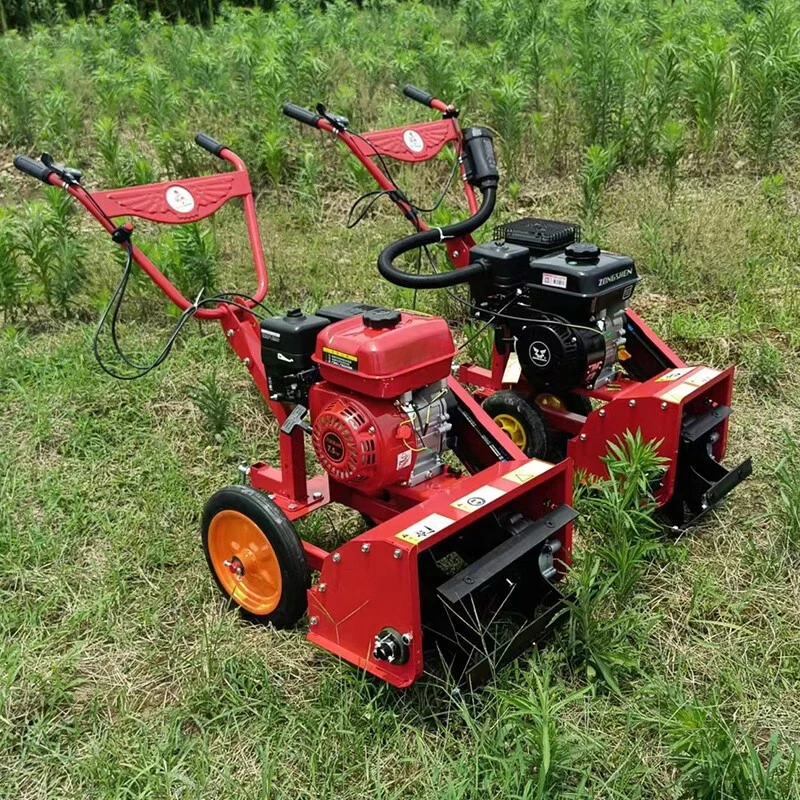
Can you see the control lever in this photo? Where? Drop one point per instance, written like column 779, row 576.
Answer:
column 69, row 174
column 339, row 122
column 295, row 420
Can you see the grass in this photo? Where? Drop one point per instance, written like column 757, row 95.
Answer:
column 124, row 676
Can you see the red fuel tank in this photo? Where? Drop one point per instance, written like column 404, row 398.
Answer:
column 384, row 353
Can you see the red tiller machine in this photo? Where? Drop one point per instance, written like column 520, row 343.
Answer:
column 564, row 335
column 468, row 536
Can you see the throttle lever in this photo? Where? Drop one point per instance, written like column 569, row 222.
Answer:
column 69, row 174
column 337, row 120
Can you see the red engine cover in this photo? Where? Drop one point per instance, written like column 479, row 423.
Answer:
column 385, row 362
column 362, row 441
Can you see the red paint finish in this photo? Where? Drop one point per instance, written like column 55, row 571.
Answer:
column 362, row 441
column 386, row 362
column 372, row 581
column 656, row 408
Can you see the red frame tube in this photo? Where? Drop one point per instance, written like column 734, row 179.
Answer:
column 152, row 205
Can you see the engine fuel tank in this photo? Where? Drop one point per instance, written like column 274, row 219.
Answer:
column 385, row 353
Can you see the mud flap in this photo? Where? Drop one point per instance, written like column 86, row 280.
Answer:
column 502, row 603
column 457, row 585
column 701, row 482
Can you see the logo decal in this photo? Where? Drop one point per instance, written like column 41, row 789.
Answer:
column 539, row 354
column 334, row 447
column 180, row 200
column 413, row 141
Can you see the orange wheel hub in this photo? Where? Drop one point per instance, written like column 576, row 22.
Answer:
column 244, row 562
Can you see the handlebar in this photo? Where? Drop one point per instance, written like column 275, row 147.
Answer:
column 304, row 115
column 208, row 143
column 396, row 276
column 33, row 168
column 419, row 95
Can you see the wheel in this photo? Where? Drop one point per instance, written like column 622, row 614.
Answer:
column 255, row 556
column 576, row 404
column 522, row 422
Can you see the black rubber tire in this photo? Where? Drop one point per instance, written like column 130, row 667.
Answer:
column 295, row 574
column 528, row 415
column 576, row 404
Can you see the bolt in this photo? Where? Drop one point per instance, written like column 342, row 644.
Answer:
column 337, row 557
column 583, row 437
column 229, row 333
column 322, row 587
column 313, row 621
column 398, row 553
column 247, row 362
column 468, row 579
column 371, row 429
column 317, row 496
column 632, row 403
column 664, row 406
column 408, row 638
column 292, row 506
column 602, row 412
column 365, row 548
column 456, row 253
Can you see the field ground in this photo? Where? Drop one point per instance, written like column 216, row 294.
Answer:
column 124, row 676
column 122, row 673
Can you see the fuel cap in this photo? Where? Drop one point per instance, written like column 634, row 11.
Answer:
column 377, row 318
column 582, row 251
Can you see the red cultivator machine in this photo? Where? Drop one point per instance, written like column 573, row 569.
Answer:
column 468, row 536
column 573, row 367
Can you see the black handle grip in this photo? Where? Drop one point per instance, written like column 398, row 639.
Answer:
column 301, row 114
column 33, row 168
column 418, row 95
column 207, row 143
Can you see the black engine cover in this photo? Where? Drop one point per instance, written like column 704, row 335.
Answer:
column 555, row 357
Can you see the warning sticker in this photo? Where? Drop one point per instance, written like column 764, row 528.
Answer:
column 674, row 374
column 527, row 472
column 339, row 359
column 559, row 281
column 513, row 370
column 424, row 528
column 702, row 377
column 404, row 459
column 677, row 393
column 477, row 499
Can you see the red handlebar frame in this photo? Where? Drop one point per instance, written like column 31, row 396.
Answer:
column 412, row 143
column 177, row 203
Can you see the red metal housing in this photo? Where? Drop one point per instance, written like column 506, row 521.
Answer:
column 385, row 362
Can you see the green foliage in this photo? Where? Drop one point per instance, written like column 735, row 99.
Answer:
column 194, row 259
column 671, row 148
column 716, row 759
column 214, row 403
column 598, row 166
column 12, row 280
column 788, row 479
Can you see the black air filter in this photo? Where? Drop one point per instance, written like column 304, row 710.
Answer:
column 540, row 235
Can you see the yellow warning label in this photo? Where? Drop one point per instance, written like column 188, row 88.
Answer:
column 477, row 499
column 702, row 376
column 677, row 393
column 339, row 359
column 673, row 375
column 424, row 528
column 527, row 472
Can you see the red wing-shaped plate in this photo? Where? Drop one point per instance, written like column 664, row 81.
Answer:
column 409, row 143
column 175, row 202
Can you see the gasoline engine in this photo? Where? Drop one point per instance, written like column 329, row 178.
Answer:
column 564, row 302
column 378, row 401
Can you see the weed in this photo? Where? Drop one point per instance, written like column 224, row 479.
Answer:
column 597, row 167
column 788, row 478
column 214, row 403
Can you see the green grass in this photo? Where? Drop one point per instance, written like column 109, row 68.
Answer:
column 122, row 673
